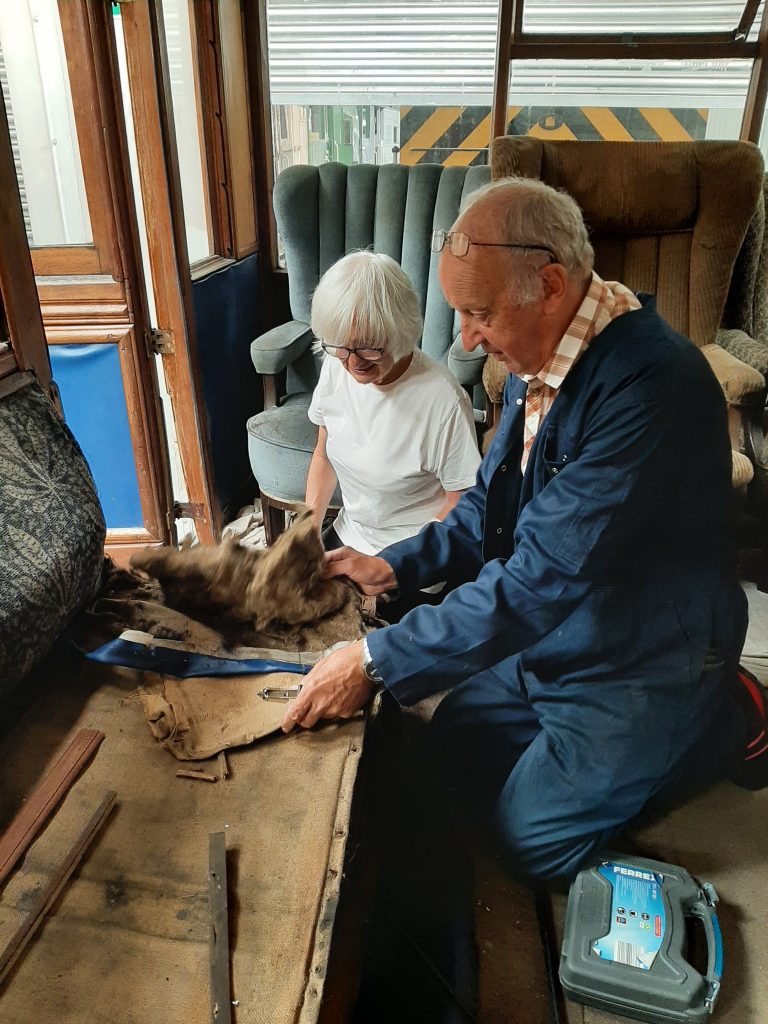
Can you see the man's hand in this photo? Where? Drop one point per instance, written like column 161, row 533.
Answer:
column 335, row 688
column 372, row 574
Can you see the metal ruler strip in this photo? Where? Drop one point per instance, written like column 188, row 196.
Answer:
column 221, row 1005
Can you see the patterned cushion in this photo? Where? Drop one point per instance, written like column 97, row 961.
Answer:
column 743, row 471
column 745, row 348
column 51, row 531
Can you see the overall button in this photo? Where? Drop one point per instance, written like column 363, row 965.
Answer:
column 518, row 401
column 499, row 530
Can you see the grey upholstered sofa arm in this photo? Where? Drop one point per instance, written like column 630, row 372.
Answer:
column 467, row 367
column 747, row 349
column 272, row 352
column 744, row 389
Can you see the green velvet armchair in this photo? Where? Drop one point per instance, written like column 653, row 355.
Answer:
column 323, row 213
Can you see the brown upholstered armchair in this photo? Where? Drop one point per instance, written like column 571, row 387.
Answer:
column 667, row 218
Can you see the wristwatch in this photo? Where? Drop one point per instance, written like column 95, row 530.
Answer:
column 370, row 671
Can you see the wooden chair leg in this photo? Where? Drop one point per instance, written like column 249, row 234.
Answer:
column 274, row 520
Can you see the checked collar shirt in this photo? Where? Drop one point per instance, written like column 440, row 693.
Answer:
column 604, row 301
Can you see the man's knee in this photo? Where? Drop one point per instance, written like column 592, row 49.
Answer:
column 535, row 856
column 472, row 749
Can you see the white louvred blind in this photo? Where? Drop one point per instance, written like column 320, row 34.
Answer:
column 442, row 52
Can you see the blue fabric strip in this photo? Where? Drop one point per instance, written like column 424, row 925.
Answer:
column 184, row 664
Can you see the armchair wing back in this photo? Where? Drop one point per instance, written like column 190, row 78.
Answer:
column 667, row 218
column 323, row 213
column 664, row 217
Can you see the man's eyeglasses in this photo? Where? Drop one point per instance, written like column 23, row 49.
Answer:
column 458, row 244
column 343, row 352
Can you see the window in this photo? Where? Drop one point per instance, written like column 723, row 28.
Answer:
column 205, row 47
column 627, row 100
column 183, row 66
column 667, row 70
column 600, row 16
column 38, row 99
column 416, row 83
column 382, row 83
column 764, row 138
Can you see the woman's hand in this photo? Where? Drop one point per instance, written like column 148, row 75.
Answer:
column 335, row 688
column 372, row 574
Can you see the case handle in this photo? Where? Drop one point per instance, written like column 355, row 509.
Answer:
column 704, row 909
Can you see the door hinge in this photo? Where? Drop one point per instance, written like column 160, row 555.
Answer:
column 188, row 510
column 161, row 342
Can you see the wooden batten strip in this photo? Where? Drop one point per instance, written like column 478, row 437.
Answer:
column 48, row 897
column 36, row 811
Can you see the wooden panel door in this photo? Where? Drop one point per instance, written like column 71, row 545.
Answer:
column 65, row 119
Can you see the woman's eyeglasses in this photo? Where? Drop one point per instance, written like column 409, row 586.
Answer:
column 458, row 244
column 343, row 352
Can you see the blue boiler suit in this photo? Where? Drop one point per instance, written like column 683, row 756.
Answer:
column 595, row 612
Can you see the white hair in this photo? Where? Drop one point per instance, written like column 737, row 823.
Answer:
column 367, row 300
column 534, row 213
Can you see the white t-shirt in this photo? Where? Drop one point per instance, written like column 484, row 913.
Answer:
column 396, row 448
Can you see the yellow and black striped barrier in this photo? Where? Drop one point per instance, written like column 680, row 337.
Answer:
column 460, row 136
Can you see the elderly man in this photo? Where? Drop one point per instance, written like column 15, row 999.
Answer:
column 594, row 620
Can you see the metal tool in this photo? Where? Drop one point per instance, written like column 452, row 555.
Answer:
column 283, row 693
column 221, row 993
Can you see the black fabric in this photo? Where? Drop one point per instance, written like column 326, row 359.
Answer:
column 331, row 540
column 51, row 531
column 420, row 960
column 228, row 318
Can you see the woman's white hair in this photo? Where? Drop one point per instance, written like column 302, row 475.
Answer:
column 534, row 213
column 366, row 300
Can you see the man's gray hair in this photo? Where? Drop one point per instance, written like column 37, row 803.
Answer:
column 535, row 213
column 367, row 300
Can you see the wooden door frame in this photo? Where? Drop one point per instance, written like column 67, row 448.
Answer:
column 21, row 314
column 102, row 255
column 149, row 85
column 109, row 308
column 137, row 362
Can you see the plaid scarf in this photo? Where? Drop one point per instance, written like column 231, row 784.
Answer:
column 604, row 301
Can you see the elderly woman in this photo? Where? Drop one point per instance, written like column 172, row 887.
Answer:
column 396, row 429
